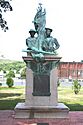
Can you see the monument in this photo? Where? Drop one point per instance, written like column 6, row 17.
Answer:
column 41, row 98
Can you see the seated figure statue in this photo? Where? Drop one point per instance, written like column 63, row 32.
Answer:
column 50, row 44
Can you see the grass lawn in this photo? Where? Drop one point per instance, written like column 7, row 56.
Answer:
column 9, row 97
column 73, row 101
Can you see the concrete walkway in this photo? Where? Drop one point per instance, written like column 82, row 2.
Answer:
column 7, row 118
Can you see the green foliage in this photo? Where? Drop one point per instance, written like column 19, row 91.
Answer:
column 10, row 82
column 23, row 73
column 0, row 84
column 4, row 6
column 7, row 65
column 58, row 83
column 76, row 86
column 10, row 74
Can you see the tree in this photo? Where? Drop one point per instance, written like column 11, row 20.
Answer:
column 10, row 74
column 76, row 86
column 23, row 73
column 8, row 65
column 4, row 6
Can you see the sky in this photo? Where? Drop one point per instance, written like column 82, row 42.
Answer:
column 65, row 17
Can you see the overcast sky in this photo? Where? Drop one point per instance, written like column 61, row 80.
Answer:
column 65, row 17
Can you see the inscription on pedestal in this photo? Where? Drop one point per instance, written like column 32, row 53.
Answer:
column 41, row 85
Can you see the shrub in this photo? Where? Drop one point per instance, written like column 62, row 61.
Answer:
column 76, row 86
column 58, row 83
column 0, row 84
column 10, row 82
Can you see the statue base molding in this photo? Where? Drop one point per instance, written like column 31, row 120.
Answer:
column 59, row 111
column 41, row 97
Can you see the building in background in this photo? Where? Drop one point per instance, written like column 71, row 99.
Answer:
column 70, row 70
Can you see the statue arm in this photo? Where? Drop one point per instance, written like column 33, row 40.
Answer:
column 56, row 44
column 26, row 42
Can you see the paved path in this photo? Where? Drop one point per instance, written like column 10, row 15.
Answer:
column 7, row 118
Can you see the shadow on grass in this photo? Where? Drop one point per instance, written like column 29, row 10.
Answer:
column 5, row 95
column 74, row 107
column 10, row 88
column 9, row 104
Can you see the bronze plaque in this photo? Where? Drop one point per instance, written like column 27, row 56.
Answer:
column 41, row 85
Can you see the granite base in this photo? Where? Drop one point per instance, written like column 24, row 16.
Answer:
column 59, row 111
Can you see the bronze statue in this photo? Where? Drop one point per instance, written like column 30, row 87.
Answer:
column 31, row 41
column 44, row 43
column 50, row 44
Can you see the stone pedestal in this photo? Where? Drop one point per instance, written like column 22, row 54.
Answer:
column 57, row 111
column 41, row 100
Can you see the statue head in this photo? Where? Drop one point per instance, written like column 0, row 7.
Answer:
column 32, row 32
column 48, row 32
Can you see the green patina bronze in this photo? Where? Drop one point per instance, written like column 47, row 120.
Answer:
column 40, row 47
column 41, row 54
column 43, row 67
column 44, row 43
